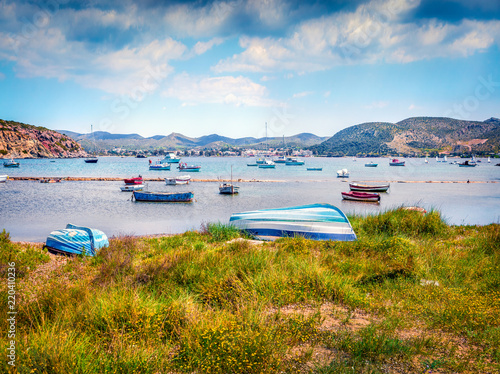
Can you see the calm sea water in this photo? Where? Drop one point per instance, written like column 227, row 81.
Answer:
column 29, row 210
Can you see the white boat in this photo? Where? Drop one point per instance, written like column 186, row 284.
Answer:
column 158, row 165
column 183, row 179
column 371, row 164
column 267, row 164
column 3, row 178
column 92, row 159
column 489, row 160
column 280, row 160
column 171, row 158
column 11, row 164
column 294, row 161
column 132, row 187
column 229, row 188
column 342, row 173
column 315, row 221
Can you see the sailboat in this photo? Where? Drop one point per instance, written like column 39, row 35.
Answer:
column 229, row 188
column 92, row 160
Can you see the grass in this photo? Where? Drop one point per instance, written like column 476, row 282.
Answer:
column 412, row 294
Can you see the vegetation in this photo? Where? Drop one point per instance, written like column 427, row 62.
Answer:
column 412, row 294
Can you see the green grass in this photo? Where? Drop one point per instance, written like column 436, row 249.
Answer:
column 412, row 294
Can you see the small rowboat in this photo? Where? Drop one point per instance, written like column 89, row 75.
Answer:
column 132, row 187
column 368, row 188
column 361, row 196
column 228, row 189
column 315, row 221
column 76, row 240
column 396, row 162
column 183, row 179
column 185, row 167
column 371, row 165
column 136, row 180
column 163, row 197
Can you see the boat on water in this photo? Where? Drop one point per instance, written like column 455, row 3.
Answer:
column 183, row 179
column 343, row 173
column 140, row 156
column 315, row 221
column 135, row 180
column 314, row 169
column 3, row 178
column 254, row 164
column 185, row 167
column 171, row 158
column 467, row 164
column 228, row 189
column 280, row 160
column 444, row 159
column 92, row 159
column 11, row 164
column 267, row 164
column 371, row 164
column 355, row 186
column 163, row 197
column 76, row 240
column 396, row 162
column 132, row 187
column 260, row 161
column 361, row 196
column 294, row 161
column 158, row 165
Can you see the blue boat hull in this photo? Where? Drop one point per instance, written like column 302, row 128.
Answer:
column 76, row 240
column 315, row 221
column 164, row 197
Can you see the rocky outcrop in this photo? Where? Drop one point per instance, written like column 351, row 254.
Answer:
column 25, row 141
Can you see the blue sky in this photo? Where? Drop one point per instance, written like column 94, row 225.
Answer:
column 228, row 67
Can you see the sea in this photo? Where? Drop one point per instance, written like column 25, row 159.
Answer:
column 30, row 210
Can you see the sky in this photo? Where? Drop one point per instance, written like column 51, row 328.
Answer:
column 237, row 67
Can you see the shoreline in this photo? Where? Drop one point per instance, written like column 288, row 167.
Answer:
column 240, row 180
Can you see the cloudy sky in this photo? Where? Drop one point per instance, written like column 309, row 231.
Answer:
column 228, row 67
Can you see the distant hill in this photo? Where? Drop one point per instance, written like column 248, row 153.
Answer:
column 106, row 140
column 418, row 135
column 25, row 141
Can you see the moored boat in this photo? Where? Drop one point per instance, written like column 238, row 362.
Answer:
column 171, row 158
column 254, row 164
column 294, row 161
column 280, row 160
column 467, row 164
column 158, row 165
column 11, row 164
column 3, row 178
column 76, row 240
column 354, row 186
column 163, row 197
column 185, row 167
column 315, row 221
column 132, row 187
column 267, row 164
column 361, row 196
column 228, row 189
column 135, row 180
column 396, row 162
column 315, row 169
column 183, row 179
column 371, row 164
column 342, row 173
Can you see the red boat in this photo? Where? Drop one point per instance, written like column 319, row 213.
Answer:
column 361, row 196
column 136, row 180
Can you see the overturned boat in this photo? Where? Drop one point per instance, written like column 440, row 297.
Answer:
column 315, row 221
column 76, row 240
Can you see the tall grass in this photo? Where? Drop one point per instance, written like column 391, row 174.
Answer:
column 195, row 303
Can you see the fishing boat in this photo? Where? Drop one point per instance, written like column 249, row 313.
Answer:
column 3, row 178
column 371, row 164
column 183, row 179
column 361, row 196
column 260, row 161
column 342, row 173
column 229, row 188
column 294, row 161
column 185, row 167
column 158, row 165
column 135, row 180
column 171, row 158
column 76, row 240
column 93, row 159
column 355, row 186
column 467, row 164
column 315, row 221
column 132, row 187
column 280, row 160
column 267, row 164
column 163, row 197
column 396, row 162
column 11, row 163
column 314, row 169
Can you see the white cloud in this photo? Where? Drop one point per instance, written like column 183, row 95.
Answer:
column 202, row 47
column 302, row 94
column 377, row 105
column 217, row 90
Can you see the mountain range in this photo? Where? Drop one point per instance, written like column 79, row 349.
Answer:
column 415, row 136
column 106, row 140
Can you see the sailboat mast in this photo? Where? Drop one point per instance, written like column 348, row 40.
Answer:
column 267, row 145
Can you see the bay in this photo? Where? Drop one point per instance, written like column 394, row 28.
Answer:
column 29, row 210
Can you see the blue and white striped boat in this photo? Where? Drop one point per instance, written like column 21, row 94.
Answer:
column 76, row 240
column 315, row 221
